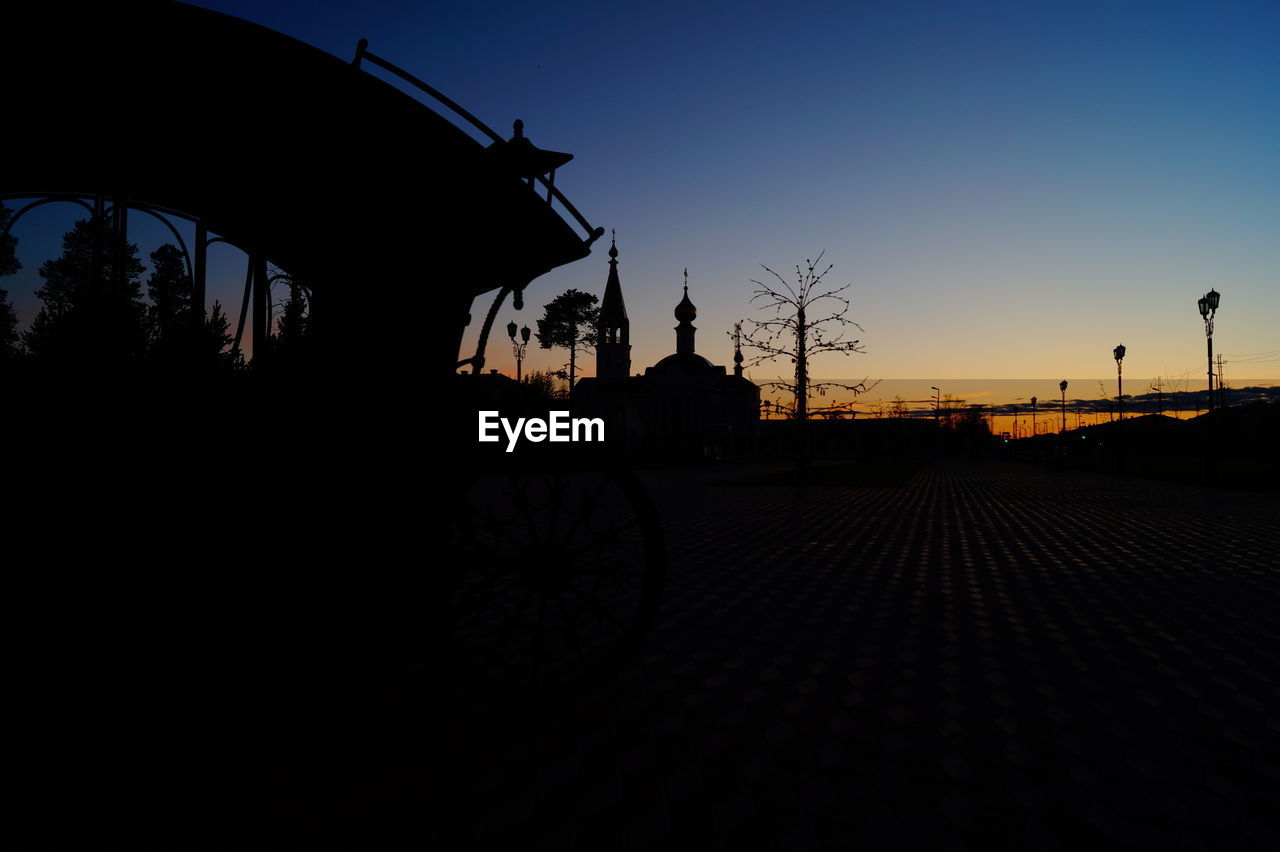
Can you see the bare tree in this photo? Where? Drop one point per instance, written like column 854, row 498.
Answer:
column 794, row 333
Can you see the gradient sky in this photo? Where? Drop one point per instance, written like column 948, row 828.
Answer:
column 1011, row 188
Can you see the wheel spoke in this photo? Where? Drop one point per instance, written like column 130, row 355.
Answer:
column 608, row 536
column 554, row 495
column 521, row 495
column 613, row 574
column 596, row 608
column 581, row 538
column 571, row 632
column 473, row 594
column 507, row 628
column 586, row 507
column 537, row 640
column 493, row 524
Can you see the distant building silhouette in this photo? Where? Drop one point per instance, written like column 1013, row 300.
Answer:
column 684, row 406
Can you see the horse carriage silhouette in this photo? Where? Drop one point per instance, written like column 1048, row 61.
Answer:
column 544, row 568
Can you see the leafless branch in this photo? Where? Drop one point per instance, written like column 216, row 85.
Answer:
column 791, row 333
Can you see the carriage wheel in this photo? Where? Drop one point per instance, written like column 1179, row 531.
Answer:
column 556, row 577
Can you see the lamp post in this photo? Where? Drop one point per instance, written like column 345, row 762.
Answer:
column 1033, row 416
column 1208, row 305
column 518, row 346
column 1062, row 386
column 937, row 405
column 1118, row 354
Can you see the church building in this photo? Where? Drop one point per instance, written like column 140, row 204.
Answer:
column 681, row 407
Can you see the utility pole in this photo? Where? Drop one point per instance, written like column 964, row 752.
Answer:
column 1221, row 384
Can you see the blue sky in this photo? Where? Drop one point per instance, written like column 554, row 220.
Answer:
column 1010, row 188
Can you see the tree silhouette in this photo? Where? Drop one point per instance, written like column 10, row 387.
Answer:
column 170, row 290
column 9, row 346
column 543, row 384
column 178, row 335
column 9, row 264
column 569, row 322
column 794, row 333
column 93, row 312
column 293, row 324
column 970, row 421
column 949, row 412
column 215, row 338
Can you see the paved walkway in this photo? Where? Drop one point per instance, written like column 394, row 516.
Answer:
column 990, row 654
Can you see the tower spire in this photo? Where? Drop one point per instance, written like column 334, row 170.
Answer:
column 613, row 333
column 686, row 313
column 737, row 348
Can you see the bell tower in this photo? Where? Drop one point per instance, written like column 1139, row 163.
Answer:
column 613, row 335
column 686, row 313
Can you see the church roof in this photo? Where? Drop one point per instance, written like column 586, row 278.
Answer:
column 684, row 363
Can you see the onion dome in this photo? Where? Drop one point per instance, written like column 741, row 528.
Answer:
column 685, row 311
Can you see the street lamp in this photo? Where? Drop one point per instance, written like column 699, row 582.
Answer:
column 518, row 346
column 1062, row 386
column 937, row 404
column 1118, row 354
column 1033, row 416
column 1208, row 304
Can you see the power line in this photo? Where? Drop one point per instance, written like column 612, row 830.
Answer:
column 1275, row 360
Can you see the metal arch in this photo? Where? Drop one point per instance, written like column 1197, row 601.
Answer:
column 272, row 279
column 302, row 288
column 477, row 360
column 157, row 211
column 77, row 197
column 121, row 205
column 241, row 248
column 74, row 199
column 182, row 244
column 362, row 53
column 244, row 305
column 255, row 279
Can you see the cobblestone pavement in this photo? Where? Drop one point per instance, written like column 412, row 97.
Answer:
column 989, row 655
